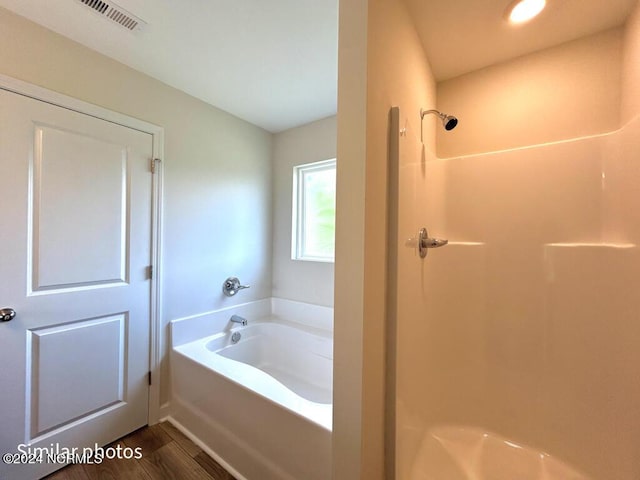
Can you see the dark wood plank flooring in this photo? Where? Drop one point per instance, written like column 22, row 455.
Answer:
column 166, row 454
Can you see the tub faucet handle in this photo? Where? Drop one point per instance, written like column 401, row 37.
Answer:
column 231, row 286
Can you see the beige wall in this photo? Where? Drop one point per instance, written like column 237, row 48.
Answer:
column 631, row 67
column 310, row 282
column 217, row 167
column 376, row 37
column 568, row 91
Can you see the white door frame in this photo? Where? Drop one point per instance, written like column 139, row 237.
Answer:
column 155, row 340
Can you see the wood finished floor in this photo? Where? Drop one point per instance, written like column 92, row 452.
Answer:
column 166, row 454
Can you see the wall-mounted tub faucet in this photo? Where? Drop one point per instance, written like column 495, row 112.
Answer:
column 231, row 286
column 238, row 319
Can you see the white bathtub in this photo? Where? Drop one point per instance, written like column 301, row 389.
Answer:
column 262, row 406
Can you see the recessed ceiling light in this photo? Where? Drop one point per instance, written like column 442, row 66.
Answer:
column 524, row 10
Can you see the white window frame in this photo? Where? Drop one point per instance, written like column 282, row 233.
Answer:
column 298, row 220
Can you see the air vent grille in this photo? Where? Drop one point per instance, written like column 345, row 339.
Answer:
column 97, row 5
column 122, row 18
column 115, row 13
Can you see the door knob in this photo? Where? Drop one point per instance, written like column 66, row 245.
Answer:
column 425, row 242
column 7, row 314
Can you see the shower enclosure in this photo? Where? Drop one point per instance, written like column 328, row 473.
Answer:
column 525, row 326
column 514, row 350
column 516, row 346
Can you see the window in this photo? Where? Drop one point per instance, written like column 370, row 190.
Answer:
column 314, row 211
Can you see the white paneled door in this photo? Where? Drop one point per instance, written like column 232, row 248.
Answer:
column 75, row 236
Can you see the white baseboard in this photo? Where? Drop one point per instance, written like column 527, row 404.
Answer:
column 205, row 448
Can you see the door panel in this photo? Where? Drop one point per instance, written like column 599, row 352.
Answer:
column 55, row 372
column 96, row 231
column 77, row 203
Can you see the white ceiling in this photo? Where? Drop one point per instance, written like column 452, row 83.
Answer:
column 460, row 36
column 274, row 63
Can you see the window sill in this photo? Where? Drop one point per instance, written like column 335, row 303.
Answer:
column 314, row 259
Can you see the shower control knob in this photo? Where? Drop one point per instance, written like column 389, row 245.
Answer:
column 425, row 242
column 7, row 314
column 231, row 286
column 434, row 242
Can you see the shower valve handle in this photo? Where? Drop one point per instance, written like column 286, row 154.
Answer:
column 425, row 242
column 434, row 242
column 231, row 286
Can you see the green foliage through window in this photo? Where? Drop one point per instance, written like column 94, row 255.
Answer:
column 314, row 211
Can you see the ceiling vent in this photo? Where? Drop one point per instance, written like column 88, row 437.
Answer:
column 115, row 13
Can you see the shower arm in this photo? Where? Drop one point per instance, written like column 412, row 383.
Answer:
column 425, row 112
column 422, row 114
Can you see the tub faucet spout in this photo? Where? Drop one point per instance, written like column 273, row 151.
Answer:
column 238, row 319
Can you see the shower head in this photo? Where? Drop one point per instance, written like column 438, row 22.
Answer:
column 448, row 121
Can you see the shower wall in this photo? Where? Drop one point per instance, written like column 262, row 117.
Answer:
column 381, row 64
column 631, row 67
column 526, row 324
column 568, row 91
